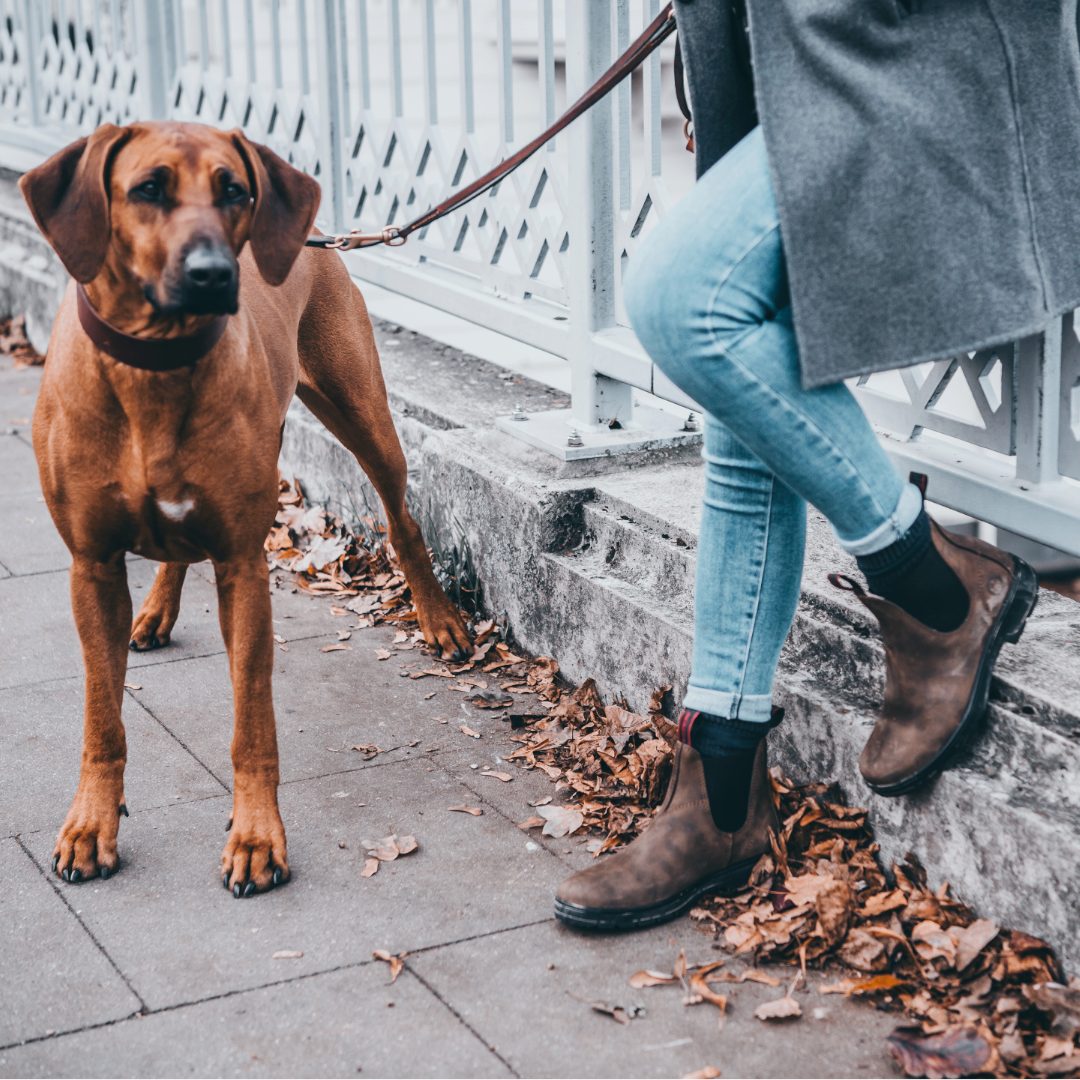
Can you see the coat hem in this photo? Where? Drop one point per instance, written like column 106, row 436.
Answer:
column 1003, row 338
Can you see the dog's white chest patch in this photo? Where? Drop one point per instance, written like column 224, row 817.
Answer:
column 176, row 511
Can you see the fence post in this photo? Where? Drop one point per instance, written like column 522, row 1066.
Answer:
column 32, row 40
column 591, row 217
column 153, row 64
column 1038, row 386
column 328, row 91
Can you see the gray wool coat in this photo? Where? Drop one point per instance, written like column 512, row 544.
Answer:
column 926, row 161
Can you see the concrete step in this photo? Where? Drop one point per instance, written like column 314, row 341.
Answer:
column 598, row 570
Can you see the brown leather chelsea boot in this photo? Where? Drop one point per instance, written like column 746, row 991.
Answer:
column 937, row 684
column 680, row 857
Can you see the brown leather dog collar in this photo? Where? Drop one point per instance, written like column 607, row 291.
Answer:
column 148, row 354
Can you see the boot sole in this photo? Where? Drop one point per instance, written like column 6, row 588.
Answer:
column 601, row 919
column 1020, row 603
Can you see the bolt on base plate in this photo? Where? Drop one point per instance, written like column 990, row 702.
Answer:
column 560, row 433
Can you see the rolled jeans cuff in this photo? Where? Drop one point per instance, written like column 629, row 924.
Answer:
column 723, row 705
column 888, row 532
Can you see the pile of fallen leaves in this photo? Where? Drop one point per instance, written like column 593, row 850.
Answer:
column 984, row 1000
column 14, row 343
column 613, row 763
column 329, row 559
column 980, row 999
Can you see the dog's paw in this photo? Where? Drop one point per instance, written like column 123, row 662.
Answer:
column 86, row 846
column 151, row 629
column 443, row 627
column 254, row 859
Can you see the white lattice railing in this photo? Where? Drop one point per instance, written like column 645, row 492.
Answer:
column 392, row 103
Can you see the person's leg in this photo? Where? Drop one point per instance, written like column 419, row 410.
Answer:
column 749, row 569
column 709, row 300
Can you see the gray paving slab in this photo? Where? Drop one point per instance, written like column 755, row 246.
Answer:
column 41, row 743
column 18, row 467
column 347, row 1023
column 29, row 544
column 37, row 632
column 528, row 993
column 325, row 702
column 179, row 937
column 55, row 978
column 18, row 393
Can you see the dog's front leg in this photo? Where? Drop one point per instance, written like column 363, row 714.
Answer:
column 101, row 602
column 254, row 858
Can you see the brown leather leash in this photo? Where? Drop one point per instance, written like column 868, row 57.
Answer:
column 648, row 42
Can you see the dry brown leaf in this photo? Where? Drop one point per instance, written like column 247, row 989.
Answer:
column 490, row 699
column 337, row 646
column 287, row 954
column 476, row 811
column 371, row 867
column 641, row 979
column 971, row 940
column 958, row 1051
column 396, row 962
column 710, row 1072
column 503, row 776
column 783, row 1008
column 466, row 730
column 560, row 821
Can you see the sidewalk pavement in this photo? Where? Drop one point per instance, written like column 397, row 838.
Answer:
column 158, row 971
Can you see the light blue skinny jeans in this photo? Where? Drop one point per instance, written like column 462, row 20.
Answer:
column 708, row 297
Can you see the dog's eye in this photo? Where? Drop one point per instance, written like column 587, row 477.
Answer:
column 150, row 190
column 235, row 193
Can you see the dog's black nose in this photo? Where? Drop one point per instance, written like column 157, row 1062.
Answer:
column 209, row 269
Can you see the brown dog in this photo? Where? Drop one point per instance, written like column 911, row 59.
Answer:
column 170, row 226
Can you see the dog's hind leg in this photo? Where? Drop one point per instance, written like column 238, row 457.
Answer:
column 86, row 845
column 254, row 858
column 341, row 383
column 157, row 616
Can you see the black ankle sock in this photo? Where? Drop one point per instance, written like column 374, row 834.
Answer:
column 727, row 754
column 913, row 575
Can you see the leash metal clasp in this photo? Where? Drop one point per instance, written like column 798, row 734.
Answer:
column 390, row 236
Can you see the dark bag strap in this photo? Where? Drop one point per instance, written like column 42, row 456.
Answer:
column 680, row 96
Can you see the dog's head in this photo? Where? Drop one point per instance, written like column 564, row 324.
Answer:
column 167, row 208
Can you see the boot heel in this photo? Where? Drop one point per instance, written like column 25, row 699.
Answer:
column 1025, row 597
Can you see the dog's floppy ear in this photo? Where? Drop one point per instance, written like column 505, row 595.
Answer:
column 286, row 202
column 69, row 198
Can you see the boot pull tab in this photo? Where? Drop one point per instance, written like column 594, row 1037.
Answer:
column 846, row 584
column 920, row 480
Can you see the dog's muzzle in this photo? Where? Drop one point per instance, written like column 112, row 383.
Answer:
column 209, row 281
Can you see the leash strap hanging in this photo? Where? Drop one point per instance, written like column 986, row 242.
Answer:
column 648, row 42
column 680, row 96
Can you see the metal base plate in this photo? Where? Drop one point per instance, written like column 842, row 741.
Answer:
column 560, row 433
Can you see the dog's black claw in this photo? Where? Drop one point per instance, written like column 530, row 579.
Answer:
column 153, row 642
column 104, row 872
column 55, row 862
column 132, row 646
column 65, row 874
column 277, row 876
column 124, row 809
column 249, row 888
column 76, row 876
column 225, row 881
column 228, row 825
column 236, row 891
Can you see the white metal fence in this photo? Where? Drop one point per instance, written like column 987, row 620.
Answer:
column 393, row 103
